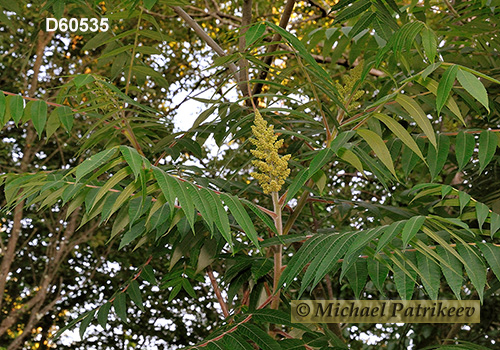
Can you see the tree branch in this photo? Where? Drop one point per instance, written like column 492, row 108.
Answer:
column 215, row 286
column 206, row 38
column 278, row 251
column 285, row 17
column 8, row 258
column 341, row 61
column 246, row 19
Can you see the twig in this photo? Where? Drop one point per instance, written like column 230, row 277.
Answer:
column 285, row 17
column 278, row 251
column 458, row 326
column 300, row 205
column 133, row 279
column 246, row 19
column 288, row 336
column 28, row 152
column 452, row 10
column 324, row 59
column 132, row 58
column 248, row 318
column 215, row 286
column 318, row 101
column 205, row 37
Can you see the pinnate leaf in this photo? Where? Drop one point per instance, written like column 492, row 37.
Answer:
column 464, row 148
column 120, row 305
column 102, row 314
column 411, row 228
column 94, row 162
column 254, row 33
column 135, row 294
column 488, row 142
column 445, row 85
column 416, row 112
column 452, row 270
column 474, row 87
column 378, row 146
column 39, row 116
column 474, row 267
column 16, row 107
column 241, row 216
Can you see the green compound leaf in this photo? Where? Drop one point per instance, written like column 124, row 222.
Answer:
column 378, row 146
column 120, row 305
column 416, row 112
column 241, row 217
column 16, row 107
column 444, row 87
column 474, row 87
column 488, row 142
column 411, row 228
column 94, row 162
column 135, row 294
column 66, row 117
column 102, row 314
column 464, row 148
column 474, row 267
column 254, row 33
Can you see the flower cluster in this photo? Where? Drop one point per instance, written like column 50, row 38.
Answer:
column 350, row 79
column 273, row 169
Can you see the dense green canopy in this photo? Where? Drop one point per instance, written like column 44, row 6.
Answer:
column 148, row 235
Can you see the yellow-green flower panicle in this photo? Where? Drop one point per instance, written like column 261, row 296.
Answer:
column 350, row 79
column 273, row 169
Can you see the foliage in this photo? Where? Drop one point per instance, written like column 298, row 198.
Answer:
column 388, row 161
